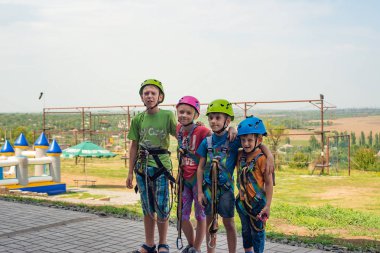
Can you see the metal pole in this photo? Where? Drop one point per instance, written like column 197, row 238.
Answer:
column 349, row 155
column 328, row 154
column 83, row 134
column 89, row 127
column 43, row 120
column 129, row 118
column 322, row 133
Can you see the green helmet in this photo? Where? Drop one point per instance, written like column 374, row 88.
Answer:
column 221, row 106
column 154, row 82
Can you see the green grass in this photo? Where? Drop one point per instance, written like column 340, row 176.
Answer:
column 339, row 209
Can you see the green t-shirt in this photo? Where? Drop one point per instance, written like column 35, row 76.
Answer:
column 152, row 131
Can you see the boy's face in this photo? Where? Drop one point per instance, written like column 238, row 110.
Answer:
column 248, row 142
column 186, row 114
column 150, row 96
column 217, row 120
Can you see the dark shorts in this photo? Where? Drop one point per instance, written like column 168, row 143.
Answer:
column 226, row 205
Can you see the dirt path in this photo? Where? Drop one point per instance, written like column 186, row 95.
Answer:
column 107, row 197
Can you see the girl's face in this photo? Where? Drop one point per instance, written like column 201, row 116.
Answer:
column 151, row 96
column 186, row 114
column 249, row 142
column 217, row 120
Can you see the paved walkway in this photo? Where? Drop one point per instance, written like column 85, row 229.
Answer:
column 29, row 228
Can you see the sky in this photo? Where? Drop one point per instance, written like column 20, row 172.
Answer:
column 98, row 52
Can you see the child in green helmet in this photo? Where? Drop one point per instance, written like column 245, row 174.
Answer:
column 150, row 160
column 218, row 154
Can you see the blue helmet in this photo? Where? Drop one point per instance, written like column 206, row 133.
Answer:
column 251, row 125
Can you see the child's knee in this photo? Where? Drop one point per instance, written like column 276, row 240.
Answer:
column 229, row 223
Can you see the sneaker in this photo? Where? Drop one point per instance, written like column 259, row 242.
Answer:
column 193, row 250
column 186, row 250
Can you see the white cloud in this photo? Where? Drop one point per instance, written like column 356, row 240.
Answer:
column 97, row 52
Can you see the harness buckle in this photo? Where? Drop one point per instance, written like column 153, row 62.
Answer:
column 181, row 150
column 216, row 159
column 226, row 186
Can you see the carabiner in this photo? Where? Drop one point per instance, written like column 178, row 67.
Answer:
column 179, row 239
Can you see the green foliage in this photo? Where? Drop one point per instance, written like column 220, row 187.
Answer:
column 300, row 160
column 377, row 141
column 365, row 159
column 362, row 139
column 353, row 138
column 370, row 138
column 313, row 143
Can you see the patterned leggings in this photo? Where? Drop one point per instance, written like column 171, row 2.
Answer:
column 189, row 194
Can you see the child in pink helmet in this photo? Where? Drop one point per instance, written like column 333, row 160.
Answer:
column 189, row 136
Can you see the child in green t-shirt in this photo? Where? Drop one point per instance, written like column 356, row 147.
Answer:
column 150, row 160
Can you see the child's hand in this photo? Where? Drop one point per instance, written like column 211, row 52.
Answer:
column 202, row 200
column 270, row 164
column 264, row 214
column 200, row 123
column 232, row 133
column 129, row 181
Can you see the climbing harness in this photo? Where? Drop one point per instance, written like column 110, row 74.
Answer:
column 218, row 183
column 141, row 169
column 252, row 197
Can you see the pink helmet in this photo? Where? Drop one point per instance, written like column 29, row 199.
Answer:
column 192, row 101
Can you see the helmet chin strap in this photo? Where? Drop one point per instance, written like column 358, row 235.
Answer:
column 256, row 146
column 223, row 128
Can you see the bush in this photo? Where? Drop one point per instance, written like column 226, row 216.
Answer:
column 300, row 160
column 365, row 159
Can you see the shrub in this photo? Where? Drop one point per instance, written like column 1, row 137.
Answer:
column 300, row 160
column 365, row 159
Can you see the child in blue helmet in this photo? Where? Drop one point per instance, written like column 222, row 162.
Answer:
column 255, row 185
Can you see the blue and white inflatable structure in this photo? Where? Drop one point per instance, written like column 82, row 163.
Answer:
column 15, row 165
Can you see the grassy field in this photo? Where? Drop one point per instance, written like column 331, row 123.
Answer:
column 334, row 209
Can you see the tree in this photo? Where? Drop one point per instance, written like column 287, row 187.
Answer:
column 21, row 129
column 353, row 138
column 377, row 141
column 370, row 138
column 287, row 140
column 275, row 132
column 313, row 143
column 362, row 139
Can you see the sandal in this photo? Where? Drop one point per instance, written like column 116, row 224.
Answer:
column 163, row 246
column 147, row 248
